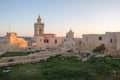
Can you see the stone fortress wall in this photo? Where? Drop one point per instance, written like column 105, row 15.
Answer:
column 111, row 40
column 12, row 43
column 35, row 57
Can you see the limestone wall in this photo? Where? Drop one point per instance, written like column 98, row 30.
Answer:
column 90, row 41
column 54, row 42
column 11, row 42
column 41, row 44
column 110, row 39
column 25, row 59
column 118, row 41
column 4, row 44
column 18, row 41
column 69, row 44
column 112, row 52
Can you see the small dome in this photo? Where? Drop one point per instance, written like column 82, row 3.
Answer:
column 70, row 34
column 70, row 31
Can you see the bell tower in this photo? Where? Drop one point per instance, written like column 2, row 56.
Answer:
column 39, row 27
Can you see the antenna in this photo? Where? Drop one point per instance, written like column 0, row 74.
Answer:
column 70, row 28
column 9, row 26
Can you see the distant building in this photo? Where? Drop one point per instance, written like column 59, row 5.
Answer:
column 45, row 40
column 111, row 40
column 88, row 42
column 50, row 40
column 42, row 41
column 11, row 42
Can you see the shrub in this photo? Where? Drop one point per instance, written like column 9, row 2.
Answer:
column 99, row 48
column 11, row 60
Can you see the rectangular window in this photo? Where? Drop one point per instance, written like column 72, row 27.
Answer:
column 110, row 40
column 55, row 41
column 40, row 31
column 47, row 41
column 44, row 40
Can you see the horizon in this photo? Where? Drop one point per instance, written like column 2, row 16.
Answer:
column 84, row 17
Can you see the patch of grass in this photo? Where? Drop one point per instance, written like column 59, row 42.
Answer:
column 64, row 68
column 11, row 54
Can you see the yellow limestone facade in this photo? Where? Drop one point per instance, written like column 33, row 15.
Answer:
column 14, row 40
column 11, row 42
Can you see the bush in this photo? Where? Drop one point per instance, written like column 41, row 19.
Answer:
column 99, row 48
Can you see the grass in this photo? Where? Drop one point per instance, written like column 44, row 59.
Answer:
column 61, row 68
column 11, row 54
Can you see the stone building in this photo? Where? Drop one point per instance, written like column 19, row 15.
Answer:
column 111, row 40
column 42, row 40
column 45, row 40
column 50, row 40
column 88, row 42
column 11, row 42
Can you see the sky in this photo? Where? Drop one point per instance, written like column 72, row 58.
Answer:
column 59, row 16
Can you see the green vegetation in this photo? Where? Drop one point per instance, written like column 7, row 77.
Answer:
column 64, row 68
column 11, row 54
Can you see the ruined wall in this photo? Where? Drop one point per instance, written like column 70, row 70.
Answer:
column 25, row 59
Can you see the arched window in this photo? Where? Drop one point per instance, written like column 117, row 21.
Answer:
column 44, row 40
column 47, row 41
column 110, row 40
column 100, row 38
column 40, row 31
